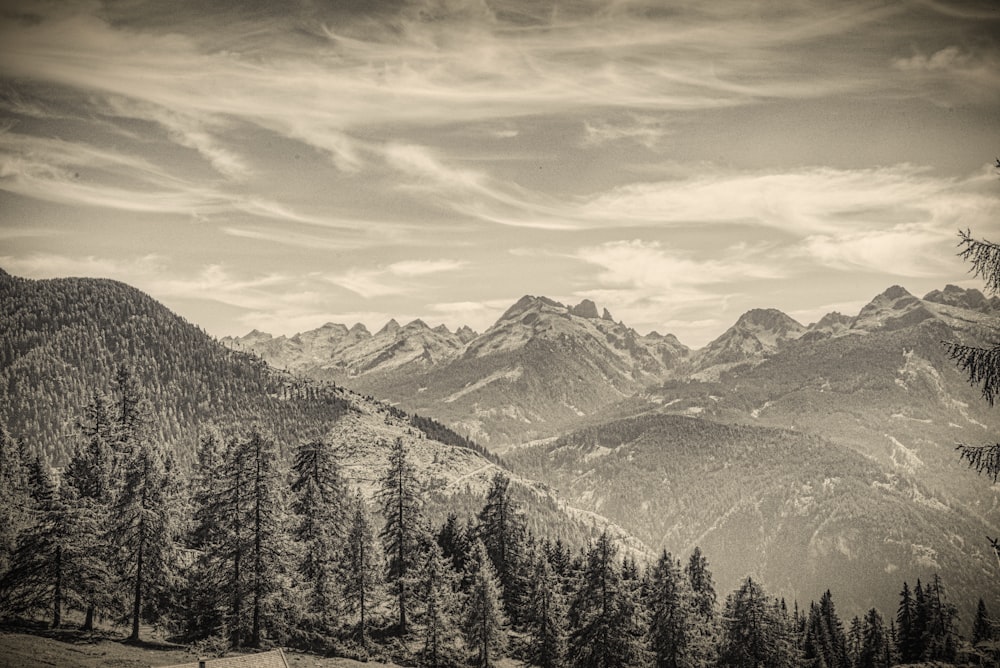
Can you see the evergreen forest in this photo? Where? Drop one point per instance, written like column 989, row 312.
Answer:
column 252, row 543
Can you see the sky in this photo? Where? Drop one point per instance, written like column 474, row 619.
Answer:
column 679, row 162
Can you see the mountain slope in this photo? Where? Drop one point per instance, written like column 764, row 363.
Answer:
column 798, row 512
column 757, row 333
column 62, row 340
column 536, row 370
column 539, row 368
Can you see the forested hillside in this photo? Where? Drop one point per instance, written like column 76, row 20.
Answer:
column 65, row 340
column 798, row 511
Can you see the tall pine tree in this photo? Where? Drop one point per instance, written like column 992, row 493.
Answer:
column 672, row 620
column 143, row 531
column 483, row 621
column 399, row 497
column 545, row 616
column 753, row 635
column 360, row 568
column 875, row 650
column 439, row 617
column 502, row 530
column 982, row 625
column 320, row 507
column 907, row 646
column 605, row 620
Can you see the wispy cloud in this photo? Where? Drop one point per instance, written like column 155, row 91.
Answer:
column 908, row 250
column 409, row 268
column 393, row 279
column 817, row 199
column 190, row 132
column 958, row 75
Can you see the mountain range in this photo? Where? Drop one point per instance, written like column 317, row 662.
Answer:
column 804, row 454
column 539, row 368
column 543, row 365
column 809, row 456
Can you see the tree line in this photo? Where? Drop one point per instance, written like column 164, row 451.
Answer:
column 243, row 551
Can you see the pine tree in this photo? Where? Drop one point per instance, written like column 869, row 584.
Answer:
column 753, row 636
column 143, row 532
column 441, row 606
column 982, row 365
column 58, row 564
column 702, row 588
column 130, row 412
column 940, row 636
column 982, row 626
column 905, row 646
column 703, row 600
column 360, row 568
column 321, row 509
column 604, row 616
column 502, row 530
column 268, row 549
column 918, row 632
column 545, row 616
column 875, row 646
column 94, row 472
column 672, row 620
column 245, row 555
column 207, row 606
column 483, row 619
column 854, row 640
column 402, row 506
column 15, row 498
column 825, row 643
column 90, row 468
column 454, row 542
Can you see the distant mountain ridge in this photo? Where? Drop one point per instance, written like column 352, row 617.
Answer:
column 544, row 365
column 541, row 365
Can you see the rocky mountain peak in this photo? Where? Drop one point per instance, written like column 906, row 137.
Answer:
column 771, row 320
column 359, row 330
column 585, row 309
column 607, row 316
column 528, row 303
column 895, row 292
column 465, row 333
column 972, row 299
column 390, row 327
column 417, row 324
column 894, row 308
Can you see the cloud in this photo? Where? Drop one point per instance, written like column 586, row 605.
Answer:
column 952, row 75
column 190, row 132
column 411, row 268
column 908, row 250
column 394, row 279
column 814, row 200
column 643, row 130
column 946, row 59
column 649, row 266
column 54, row 265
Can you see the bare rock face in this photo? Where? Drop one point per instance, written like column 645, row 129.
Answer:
column 585, row 309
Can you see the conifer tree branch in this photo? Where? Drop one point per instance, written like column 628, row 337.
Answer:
column 981, row 364
column 984, row 458
column 984, row 256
